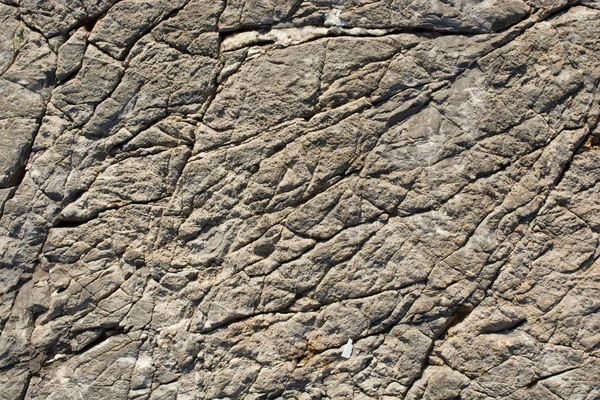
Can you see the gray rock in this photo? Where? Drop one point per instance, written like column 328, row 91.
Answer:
column 70, row 55
column 207, row 200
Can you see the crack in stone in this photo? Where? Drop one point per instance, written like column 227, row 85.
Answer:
column 234, row 228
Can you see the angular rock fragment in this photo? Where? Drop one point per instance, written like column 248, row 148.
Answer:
column 347, row 353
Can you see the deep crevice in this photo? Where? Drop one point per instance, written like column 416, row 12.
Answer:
column 101, row 338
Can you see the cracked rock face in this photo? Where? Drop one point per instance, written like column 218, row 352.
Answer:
column 208, row 199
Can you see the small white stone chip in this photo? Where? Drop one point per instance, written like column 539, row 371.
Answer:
column 348, row 349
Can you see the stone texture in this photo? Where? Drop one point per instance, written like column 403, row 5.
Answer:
column 206, row 199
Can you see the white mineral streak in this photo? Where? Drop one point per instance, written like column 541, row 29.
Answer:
column 333, row 18
column 284, row 37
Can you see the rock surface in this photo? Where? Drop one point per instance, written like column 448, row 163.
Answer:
column 205, row 199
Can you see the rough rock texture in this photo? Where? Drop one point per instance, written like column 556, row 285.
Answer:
column 205, row 199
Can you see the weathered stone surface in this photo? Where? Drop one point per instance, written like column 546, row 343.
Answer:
column 206, row 199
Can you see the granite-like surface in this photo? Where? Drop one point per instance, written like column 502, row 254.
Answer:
column 205, row 199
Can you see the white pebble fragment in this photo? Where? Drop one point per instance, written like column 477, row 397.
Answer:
column 348, row 349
